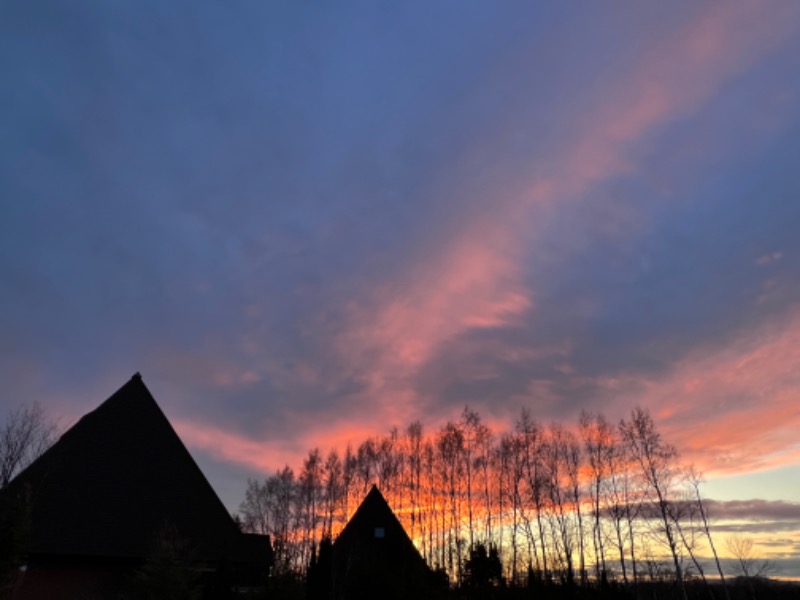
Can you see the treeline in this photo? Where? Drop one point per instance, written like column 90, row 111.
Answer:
column 593, row 503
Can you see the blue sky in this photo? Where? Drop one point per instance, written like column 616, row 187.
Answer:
column 307, row 222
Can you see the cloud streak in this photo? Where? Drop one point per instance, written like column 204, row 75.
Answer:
column 477, row 277
column 747, row 390
column 755, row 509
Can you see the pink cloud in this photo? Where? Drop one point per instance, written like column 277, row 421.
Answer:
column 266, row 456
column 674, row 77
column 476, row 278
column 473, row 283
column 231, row 447
column 732, row 408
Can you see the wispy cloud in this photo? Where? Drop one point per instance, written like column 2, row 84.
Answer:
column 731, row 407
column 755, row 509
column 477, row 277
column 768, row 258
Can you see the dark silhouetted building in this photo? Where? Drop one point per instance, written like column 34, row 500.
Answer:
column 115, row 488
column 373, row 557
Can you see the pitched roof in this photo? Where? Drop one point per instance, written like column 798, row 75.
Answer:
column 113, row 481
column 361, row 535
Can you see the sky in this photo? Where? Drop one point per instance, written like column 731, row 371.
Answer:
column 306, row 222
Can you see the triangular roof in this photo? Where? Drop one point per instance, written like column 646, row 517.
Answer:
column 373, row 557
column 375, row 513
column 115, row 479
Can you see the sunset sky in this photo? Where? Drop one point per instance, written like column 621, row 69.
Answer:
column 305, row 222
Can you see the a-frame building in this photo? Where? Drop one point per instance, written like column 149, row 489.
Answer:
column 97, row 501
column 373, row 557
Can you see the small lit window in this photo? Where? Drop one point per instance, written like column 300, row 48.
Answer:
column 379, row 533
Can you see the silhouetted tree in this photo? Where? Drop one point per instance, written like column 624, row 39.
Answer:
column 556, row 456
column 573, row 461
column 745, row 562
column 270, row 507
column 474, row 432
column 694, row 479
column 349, row 474
column 24, row 436
column 532, row 439
column 483, row 464
column 367, row 464
column 483, row 568
column 619, row 505
column 450, row 447
column 546, row 500
column 166, row 574
column 656, row 460
column 14, row 529
column 414, row 445
column 320, row 572
column 310, row 486
column 333, row 491
column 257, row 508
column 598, row 442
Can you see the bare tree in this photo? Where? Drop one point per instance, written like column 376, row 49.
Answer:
column 537, row 494
column 414, row 441
column 470, row 424
column 656, row 460
column 450, row 452
column 349, row 476
column 257, row 508
column 623, row 511
column 483, row 463
column 686, row 517
column 514, row 449
column 25, row 436
column 599, row 446
column 501, row 461
column 271, row 507
column 533, row 444
column 746, row 563
column 573, row 463
column 367, row 458
column 556, row 462
column 332, row 492
column 694, row 479
column 310, row 486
